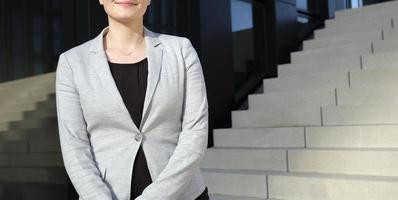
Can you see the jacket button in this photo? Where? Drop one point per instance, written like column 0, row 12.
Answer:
column 137, row 137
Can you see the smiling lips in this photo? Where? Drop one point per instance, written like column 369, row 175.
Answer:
column 125, row 3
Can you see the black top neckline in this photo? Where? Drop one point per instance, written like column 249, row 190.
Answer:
column 144, row 59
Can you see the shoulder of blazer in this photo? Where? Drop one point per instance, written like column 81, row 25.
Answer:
column 174, row 42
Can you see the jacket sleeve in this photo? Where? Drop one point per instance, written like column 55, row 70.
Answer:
column 75, row 145
column 192, row 142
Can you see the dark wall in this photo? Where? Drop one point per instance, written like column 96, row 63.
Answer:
column 29, row 37
column 318, row 8
column 216, row 58
column 34, row 33
column 82, row 20
column 281, row 27
column 286, row 29
column 3, row 70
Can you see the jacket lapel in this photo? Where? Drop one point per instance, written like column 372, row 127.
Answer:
column 99, row 61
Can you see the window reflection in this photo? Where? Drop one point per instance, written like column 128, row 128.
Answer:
column 242, row 36
column 32, row 33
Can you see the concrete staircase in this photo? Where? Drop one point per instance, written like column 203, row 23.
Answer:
column 31, row 165
column 327, row 127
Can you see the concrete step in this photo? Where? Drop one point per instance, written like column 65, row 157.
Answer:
column 50, row 75
column 243, row 158
column 347, row 162
column 375, row 35
column 9, row 117
column 31, row 89
column 24, row 93
column 343, row 61
column 367, row 95
column 379, row 37
column 38, row 97
column 235, row 184
column 365, row 10
column 28, row 124
column 385, row 46
column 380, row 60
column 40, row 113
column 330, row 53
column 361, row 19
column 391, row 34
column 50, row 102
column 26, row 115
column 368, row 20
column 17, row 108
column 35, row 142
column 30, row 142
column 360, row 115
column 280, row 100
column 4, row 160
column 353, row 137
column 28, row 105
column 312, row 68
column 26, row 96
column 348, row 28
column 33, row 191
column 385, row 76
column 52, row 175
column 273, row 118
column 259, row 137
column 51, row 144
column 34, row 159
column 306, row 82
column 12, row 146
column 231, row 197
column 28, row 81
column 312, row 186
column 27, row 108
column 21, row 101
column 40, row 90
column 41, row 133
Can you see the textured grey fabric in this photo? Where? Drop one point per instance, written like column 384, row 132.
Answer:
column 98, row 138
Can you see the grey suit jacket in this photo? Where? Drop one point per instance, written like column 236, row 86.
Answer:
column 99, row 139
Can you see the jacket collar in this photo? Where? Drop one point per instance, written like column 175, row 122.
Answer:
column 99, row 61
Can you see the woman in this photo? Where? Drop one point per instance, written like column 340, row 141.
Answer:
column 132, row 112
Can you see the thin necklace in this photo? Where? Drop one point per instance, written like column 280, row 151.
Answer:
column 125, row 54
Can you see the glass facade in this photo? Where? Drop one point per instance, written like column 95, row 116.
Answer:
column 34, row 33
column 242, row 39
column 162, row 16
column 30, row 37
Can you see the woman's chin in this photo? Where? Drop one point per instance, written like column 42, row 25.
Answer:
column 124, row 18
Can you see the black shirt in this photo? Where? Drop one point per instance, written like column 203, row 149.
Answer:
column 131, row 81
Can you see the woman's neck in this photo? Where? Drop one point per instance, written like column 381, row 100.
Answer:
column 124, row 35
column 125, row 43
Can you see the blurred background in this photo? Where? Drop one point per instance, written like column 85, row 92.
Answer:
column 242, row 41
